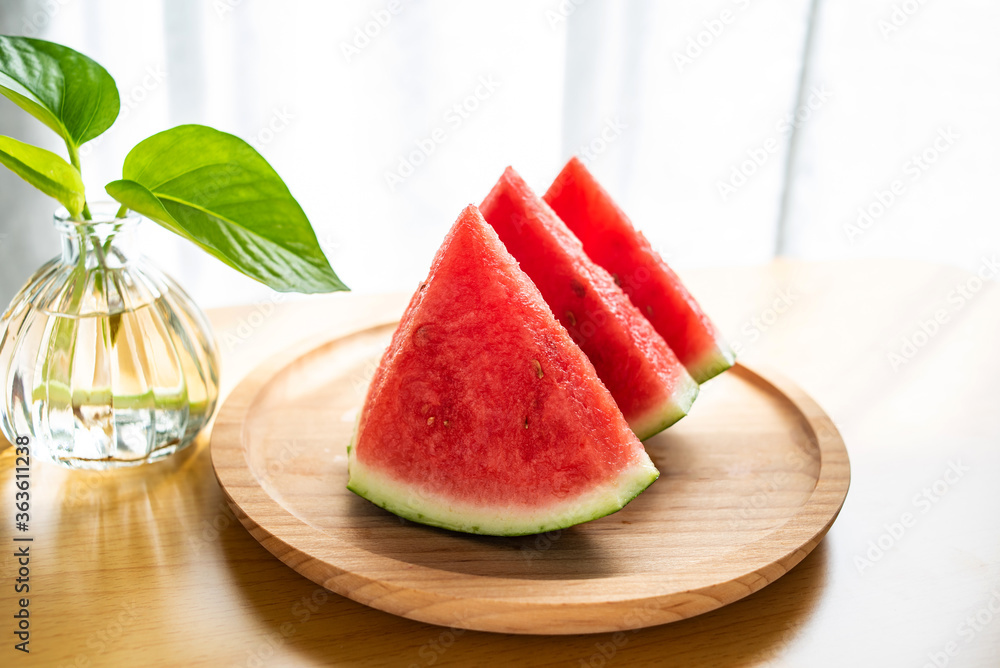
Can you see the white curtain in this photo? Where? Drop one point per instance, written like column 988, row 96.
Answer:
column 386, row 117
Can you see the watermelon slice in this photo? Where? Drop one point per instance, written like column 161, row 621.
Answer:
column 650, row 385
column 484, row 416
column 610, row 240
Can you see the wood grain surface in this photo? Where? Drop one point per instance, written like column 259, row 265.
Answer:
column 151, row 568
column 750, row 483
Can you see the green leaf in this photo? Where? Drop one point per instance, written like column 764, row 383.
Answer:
column 46, row 171
column 64, row 89
column 217, row 191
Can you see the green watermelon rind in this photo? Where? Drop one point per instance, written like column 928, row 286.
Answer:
column 404, row 501
column 653, row 422
column 712, row 363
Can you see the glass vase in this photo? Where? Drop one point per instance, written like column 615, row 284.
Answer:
column 104, row 361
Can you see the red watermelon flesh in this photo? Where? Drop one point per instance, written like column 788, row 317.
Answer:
column 649, row 384
column 611, row 241
column 484, row 416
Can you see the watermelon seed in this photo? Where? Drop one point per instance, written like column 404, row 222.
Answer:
column 538, row 369
column 525, row 423
column 618, row 281
column 649, row 309
column 422, row 336
column 446, row 423
column 571, row 318
column 578, row 288
column 430, row 420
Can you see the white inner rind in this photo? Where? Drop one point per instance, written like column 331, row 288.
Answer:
column 667, row 413
column 713, row 362
column 426, row 507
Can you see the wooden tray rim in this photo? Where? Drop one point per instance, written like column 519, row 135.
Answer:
column 338, row 566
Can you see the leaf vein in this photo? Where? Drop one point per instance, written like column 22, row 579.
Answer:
column 230, row 221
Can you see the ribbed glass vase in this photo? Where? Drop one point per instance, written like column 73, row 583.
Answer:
column 104, row 360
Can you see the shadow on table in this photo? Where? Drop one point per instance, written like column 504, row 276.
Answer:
column 327, row 629
column 138, row 515
column 534, row 557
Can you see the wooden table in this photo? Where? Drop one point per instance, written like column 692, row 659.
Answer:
column 149, row 567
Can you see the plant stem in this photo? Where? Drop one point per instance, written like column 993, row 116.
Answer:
column 74, row 159
column 122, row 211
column 106, row 279
column 59, row 357
column 99, row 252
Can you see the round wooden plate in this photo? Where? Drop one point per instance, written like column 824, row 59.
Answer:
column 750, row 483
